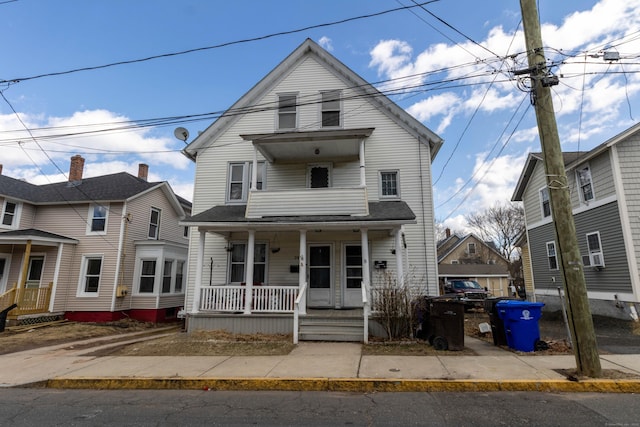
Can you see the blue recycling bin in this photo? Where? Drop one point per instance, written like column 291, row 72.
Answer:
column 520, row 320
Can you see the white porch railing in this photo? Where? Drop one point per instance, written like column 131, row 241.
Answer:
column 265, row 299
column 296, row 312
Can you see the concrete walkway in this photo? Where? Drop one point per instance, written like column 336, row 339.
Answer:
column 310, row 366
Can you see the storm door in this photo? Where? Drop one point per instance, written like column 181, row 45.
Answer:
column 320, row 290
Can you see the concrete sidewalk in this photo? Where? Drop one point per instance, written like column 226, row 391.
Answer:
column 310, row 366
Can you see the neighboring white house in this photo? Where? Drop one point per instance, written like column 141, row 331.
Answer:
column 312, row 187
column 605, row 196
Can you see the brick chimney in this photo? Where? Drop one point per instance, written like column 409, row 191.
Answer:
column 447, row 232
column 0, row 168
column 143, row 171
column 76, row 168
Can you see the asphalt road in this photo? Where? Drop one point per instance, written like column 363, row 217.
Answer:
column 44, row 407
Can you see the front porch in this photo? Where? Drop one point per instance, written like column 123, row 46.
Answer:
column 31, row 303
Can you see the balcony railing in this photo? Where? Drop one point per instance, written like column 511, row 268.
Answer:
column 312, row 201
column 265, row 299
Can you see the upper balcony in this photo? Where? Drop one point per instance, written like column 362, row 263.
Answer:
column 312, row 201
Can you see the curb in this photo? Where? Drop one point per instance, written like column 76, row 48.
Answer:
column 344, row 384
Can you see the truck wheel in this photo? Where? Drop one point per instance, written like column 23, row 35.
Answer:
column 440, row 343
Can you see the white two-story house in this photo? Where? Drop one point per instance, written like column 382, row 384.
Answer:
column 311, row 191
column 604, row 184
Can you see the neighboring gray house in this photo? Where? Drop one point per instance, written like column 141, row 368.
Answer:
column 92, row 249
column 311, row 192
column 605, row 196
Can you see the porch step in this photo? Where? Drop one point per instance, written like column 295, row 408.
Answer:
column 331, row 328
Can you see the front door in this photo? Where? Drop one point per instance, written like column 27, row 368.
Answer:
column 4, row 273
column 34, row 275
column 352, row 290
column 320, row 292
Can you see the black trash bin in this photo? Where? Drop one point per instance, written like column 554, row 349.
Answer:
column 497, row 325
column 3, row 316
column 444, row 326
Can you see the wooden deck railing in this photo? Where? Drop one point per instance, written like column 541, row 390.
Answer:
column 29, row 300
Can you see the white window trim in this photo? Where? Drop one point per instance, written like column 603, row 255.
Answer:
column 156, row 276
column 81, row 293
column 327, row 165
column 90, row 219
column 388, row 197
column 297, row 113
column 246, row 249
column 594, row 253
column 545, row 188
column 579, row 184
column 340, row 109
column 555, row 255
column 157, row 234
column 172, row 276
column 475, row 248
column 16, row 215
column 246, row 181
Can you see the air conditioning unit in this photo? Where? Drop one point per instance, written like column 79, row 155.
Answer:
column 597, row 261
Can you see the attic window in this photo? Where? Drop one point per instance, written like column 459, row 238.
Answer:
column 331, row 109
column 287, row 111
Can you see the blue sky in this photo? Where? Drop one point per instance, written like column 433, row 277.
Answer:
column 485, row 118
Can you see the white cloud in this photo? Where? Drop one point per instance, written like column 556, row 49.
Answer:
column 326, row 43
column 109, row 143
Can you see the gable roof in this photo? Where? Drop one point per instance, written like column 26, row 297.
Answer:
column 120, row 186
column 446, row 250
column 570, row 158
column 355, row 82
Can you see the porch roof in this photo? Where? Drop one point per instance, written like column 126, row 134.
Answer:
column 37, row 237
column 381, row 214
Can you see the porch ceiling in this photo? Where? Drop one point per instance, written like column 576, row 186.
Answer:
column 382, row 215
column 323, row 145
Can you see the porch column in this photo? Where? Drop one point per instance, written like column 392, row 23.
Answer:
column 197, row 289
column 56, row 274
column 363, row 179
column 254, row 170
column 399, row 260
column 366, row 277
column 248, row 278
column 302, row 269
column 25, row 270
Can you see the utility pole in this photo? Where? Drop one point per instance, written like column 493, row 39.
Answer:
column 579, row 313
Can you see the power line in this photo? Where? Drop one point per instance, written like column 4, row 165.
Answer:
column 221, row 45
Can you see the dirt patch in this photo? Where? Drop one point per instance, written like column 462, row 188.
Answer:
column 15, row 339
column 409, row 348
column 610, row 374
column 205, row 343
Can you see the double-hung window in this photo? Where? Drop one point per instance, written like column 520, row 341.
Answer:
column 583, row 176
column 551, row 256
column 471, row 249
column 10, row 214
column 90, row 280
column 97, row 223
column 237, row 266
column 148, row 276
column 179, row 277
column 287, row 111
column 331, row 109
column 154, row 224
column 166, row 276
column 545, row 202
column 389, row 184
column 239, row 180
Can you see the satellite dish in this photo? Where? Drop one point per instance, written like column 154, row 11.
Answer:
column 182, row 134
